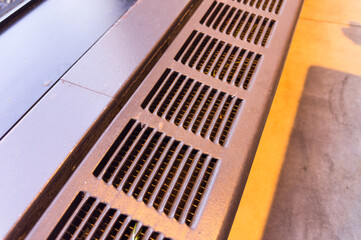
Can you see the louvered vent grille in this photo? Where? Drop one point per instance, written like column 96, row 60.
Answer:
column 238, row 23
column 272, row 6
column 158, row 170
column 88, row 218
column 205, row 111
column 218, row 59
column 172, row 152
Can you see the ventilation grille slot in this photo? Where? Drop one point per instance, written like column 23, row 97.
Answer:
column 272, row 6
column 160, row 171
column 205, row 111
column 88, row 218
column 239, row 24
column 218, row 59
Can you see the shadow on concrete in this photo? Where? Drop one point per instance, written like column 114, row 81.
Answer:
column 319, row 191
column 353, row 32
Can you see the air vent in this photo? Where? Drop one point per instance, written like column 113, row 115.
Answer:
column 162, row 172
column 238, row 23
column 205, row 111
column 88, row 218
column 219, row 59
column 272, row 6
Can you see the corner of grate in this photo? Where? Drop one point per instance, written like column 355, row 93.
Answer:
column 164, row 173
column 238, row 23
column 199, row 108
column 89, row 218
column 221, row 60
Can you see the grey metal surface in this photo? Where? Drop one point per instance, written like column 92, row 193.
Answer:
column 33, row 150
column 318, row 195
column 108, row 64
column 37, row 49
column 234, row 159
column 8, row 7
column 36, row 147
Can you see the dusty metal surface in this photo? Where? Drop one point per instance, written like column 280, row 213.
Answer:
column 118, row 54
column 215, row 213
column 40, row 46
column 30, row 156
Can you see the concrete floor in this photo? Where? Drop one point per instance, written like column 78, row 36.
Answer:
column 305, row 182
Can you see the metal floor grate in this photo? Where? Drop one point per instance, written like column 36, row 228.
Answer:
column 158, row 170
column 272, row 6
column 204, row 110
column 238, row 23
column 88, row 218
column 178, row 153
column 229, row 63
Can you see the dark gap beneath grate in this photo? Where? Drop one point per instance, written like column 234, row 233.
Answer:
column 159, row 173
column 208, row 12
column 154, row 159
column 169, row 178
column 253, row 30
column 229, row 122
column 220, row 60
column 272, row 5
column 156, row 87
column 117, row 158
column 243, row 69
column 201, row 189
column 104, row 223
column 247, row 26
column 279, row 5
column 214, row 14
column 211, row 115
column 268, row 33
column 223, row 13
column 227, row 19
column 179, row 99
column 220, row 118
column 141, row 162
column 63, row 220
column 162, row 92
column 192, row 47
column 172, row 93
column 213, row 57
column 78, row 219
column 233, row 22
column 203, row 111
column 260, row 31
column 91, row 221
column 205, row 54
column 113, row 148
column 199, row 50
column 185, row 45
column 189, row 187
column 115, row 229
column 251, row 71
column 128, row 160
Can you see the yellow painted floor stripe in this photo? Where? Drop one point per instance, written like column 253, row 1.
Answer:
column 320, row 40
